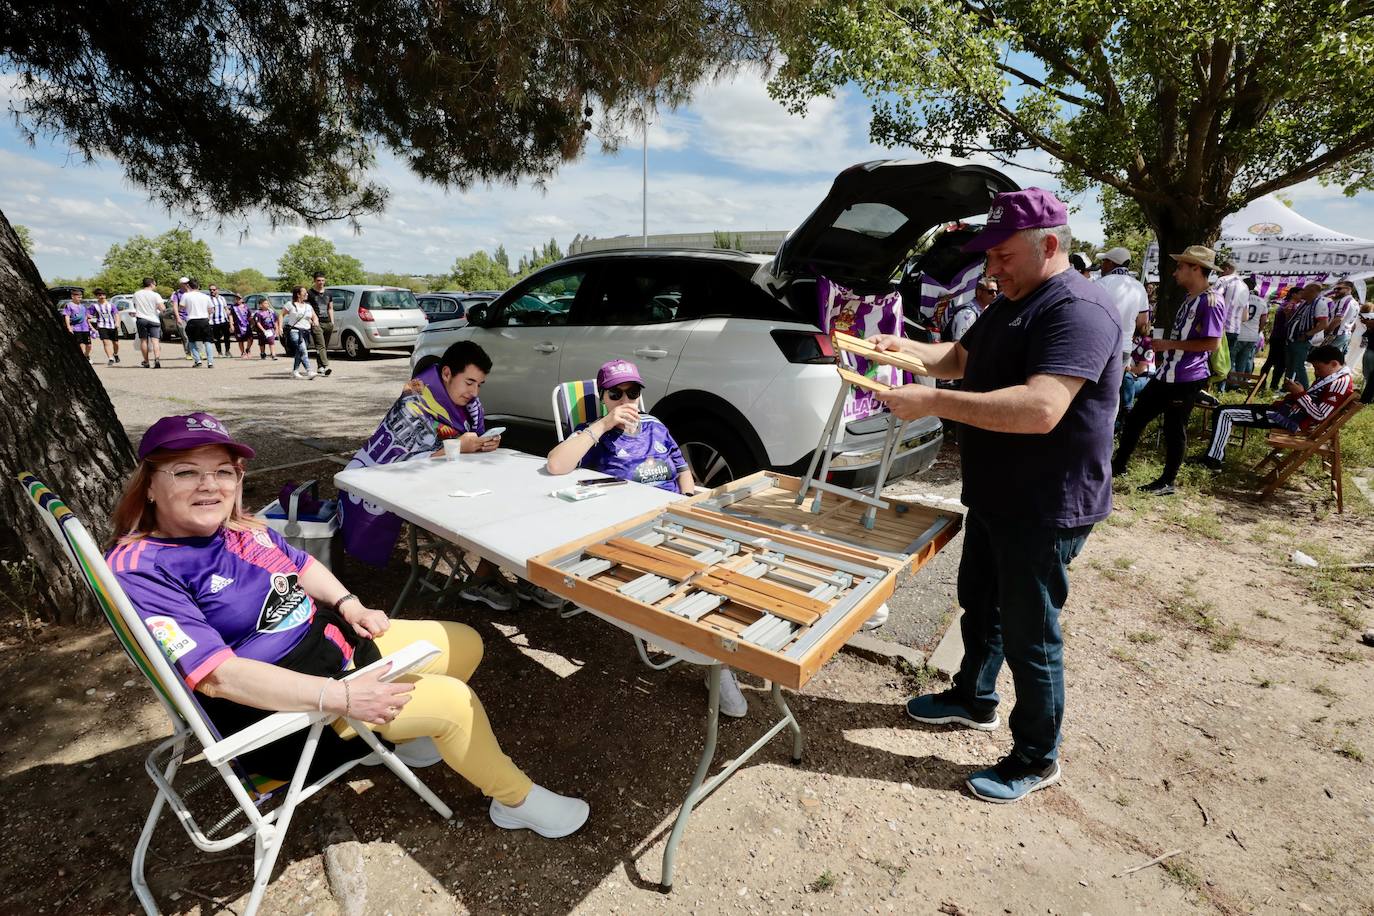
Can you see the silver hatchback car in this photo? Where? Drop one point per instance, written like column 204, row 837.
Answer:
column 374, row 318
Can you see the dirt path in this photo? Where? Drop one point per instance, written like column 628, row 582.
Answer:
column 1218, row 704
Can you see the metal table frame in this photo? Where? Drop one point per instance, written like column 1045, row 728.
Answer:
column 426, row 578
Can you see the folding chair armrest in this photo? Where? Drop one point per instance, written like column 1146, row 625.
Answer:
column 279, row 725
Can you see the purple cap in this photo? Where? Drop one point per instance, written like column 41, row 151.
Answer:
column 1033, row 208
column 187, row 432
column 617, row 372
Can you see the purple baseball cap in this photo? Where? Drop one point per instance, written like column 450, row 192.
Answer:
column 617, row 372
column 187, row 432
column 1033, row 208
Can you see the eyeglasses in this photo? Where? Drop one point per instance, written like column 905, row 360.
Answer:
column 632, row 392
column 187, row 477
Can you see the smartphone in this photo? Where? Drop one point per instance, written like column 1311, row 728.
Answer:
column 601, row 482
column 493, row 433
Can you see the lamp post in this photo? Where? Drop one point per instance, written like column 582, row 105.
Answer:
column 644, row 191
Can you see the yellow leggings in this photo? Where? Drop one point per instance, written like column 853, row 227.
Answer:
column 443, row 707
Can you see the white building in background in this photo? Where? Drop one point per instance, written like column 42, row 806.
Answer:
column 756, row 242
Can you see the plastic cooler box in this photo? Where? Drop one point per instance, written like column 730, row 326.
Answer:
column 311, row 532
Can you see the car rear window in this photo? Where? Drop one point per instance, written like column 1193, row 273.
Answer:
column 733, row 292
column 871, row 219
column 389, row 299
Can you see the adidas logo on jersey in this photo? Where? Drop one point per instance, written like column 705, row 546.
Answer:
column 219, row 584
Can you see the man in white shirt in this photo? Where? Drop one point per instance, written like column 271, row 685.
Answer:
column 1344, row 312
column 1127, row 294
column 1252, row 326
column 148, row 308
column 197, row 306
column 1235, row 297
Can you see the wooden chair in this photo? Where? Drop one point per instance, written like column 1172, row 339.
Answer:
column 217, row 758
column 1290, row 451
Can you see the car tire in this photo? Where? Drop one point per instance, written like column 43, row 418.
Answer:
column 716, row 455
column 353, row 346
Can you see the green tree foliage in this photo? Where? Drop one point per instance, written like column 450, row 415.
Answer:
column 479, row 270
column 406, row 281
column 1191, row 111
column 501, row 257
column 171, row 255
column 310, row 253
column 539, row 257
column 25, row 238
column 247, row 280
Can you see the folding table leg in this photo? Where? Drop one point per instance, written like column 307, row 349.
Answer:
column 414, row 542
column 890, row 441
column 822, row 456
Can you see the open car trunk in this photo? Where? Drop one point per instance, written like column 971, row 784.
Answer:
column 876, row 212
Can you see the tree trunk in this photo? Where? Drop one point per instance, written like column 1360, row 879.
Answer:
column 57, row 422
column 1175, row 233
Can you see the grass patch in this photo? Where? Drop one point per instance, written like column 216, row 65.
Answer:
column 1350, row 751
column 1142, row 638
column 1193, row 612
column 825, row 881
column 1129, row 658
column 915, row 680
column 1264, row 683
column 1182, row 873
column 1225, row 639
column 1262, row 614
column 1331, row 585
column 1123, row 563
column 1326, row 691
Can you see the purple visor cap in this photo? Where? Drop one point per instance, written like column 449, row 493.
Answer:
column 1033, row 208
column 190, row 431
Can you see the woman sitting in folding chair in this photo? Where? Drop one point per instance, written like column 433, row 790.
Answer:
column 631, row 445
column 255, row 626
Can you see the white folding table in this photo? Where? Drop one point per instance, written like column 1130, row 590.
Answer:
column 520, row 519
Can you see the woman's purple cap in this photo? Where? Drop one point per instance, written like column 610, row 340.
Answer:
column 617, row 372
column 1033, row 208
column 187, row 432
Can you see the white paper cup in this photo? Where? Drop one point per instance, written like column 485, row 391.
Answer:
column 452, row 449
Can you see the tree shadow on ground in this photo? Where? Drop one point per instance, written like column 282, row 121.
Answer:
column 571, row 704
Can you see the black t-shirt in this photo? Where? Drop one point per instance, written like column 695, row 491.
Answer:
column 319, row 301
column 1067, row 326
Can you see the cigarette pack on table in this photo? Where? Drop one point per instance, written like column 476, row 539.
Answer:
column 575, row 494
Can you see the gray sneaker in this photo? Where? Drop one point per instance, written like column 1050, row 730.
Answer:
column 492, row 592
column 528, row 591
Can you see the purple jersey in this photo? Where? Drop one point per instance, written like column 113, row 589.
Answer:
column 650, row 457
column 206, row 599
column 1199, row 317
column 106, row 315
column 265, row 322
column 77, row 315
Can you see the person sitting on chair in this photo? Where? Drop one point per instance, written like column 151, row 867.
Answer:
column 634, row 446
column 1299, row 411
column 439, row 403
column 256, row 626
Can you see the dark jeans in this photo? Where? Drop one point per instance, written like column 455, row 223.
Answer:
column 1013, row 582
column 1274, row 363
column 1175, row 401
column 1296, row 361
column 219, row 333
column 319, row 336
column 1368, row 368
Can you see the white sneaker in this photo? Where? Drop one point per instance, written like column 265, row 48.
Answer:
column 546, row 813
column 296, row 373
column 732, row 701
column 416, row 754
column 310, row 374
column 878, row 619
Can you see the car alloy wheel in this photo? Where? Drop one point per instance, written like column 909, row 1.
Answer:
column 710, row 467
column 352, row 346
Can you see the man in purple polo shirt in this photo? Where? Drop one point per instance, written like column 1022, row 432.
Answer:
column 1040, row 370
column 1184, row 350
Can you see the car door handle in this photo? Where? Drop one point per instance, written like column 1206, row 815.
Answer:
column 651, row 352
column 546, row 347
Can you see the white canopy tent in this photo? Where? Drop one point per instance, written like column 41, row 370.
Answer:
column 1268, row 238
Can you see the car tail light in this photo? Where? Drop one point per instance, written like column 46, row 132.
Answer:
column 805, row 346
column 364, row 314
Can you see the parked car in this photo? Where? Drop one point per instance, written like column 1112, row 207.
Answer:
column 374, row 318
column 61, row 295
column 728, row 343
column 124, row 302
column 276, row 301
column 451, row 306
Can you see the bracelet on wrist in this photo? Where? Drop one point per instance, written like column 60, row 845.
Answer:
column 348, row 701
column 338, row 605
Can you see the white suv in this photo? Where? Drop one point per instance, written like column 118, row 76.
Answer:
column 374, row 318
column 728, row 343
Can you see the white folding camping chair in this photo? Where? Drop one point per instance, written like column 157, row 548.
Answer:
column 250, row 793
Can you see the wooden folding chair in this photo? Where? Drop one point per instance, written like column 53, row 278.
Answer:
column 1290, row 451
column 250, row 792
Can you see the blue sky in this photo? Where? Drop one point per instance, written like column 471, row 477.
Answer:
column 732, row 160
